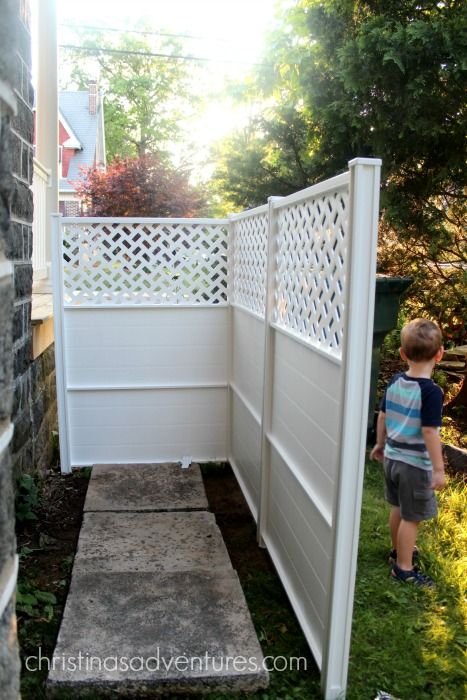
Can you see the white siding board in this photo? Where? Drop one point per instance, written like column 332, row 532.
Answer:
column 246, row 449
column 248, row 356
column 151, row 425
column 296, row 591
column 317, row 369
column 305, row 426
column 305, row 376
column 182, row 346
column 313, row 455
column 295, row 549
column 306, row 515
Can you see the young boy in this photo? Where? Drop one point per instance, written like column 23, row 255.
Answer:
column 408, row 442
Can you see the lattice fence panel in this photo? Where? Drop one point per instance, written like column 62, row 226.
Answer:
column 310, row 274
column 248, row 280
column 145, row 263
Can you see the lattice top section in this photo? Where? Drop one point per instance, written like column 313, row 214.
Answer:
column 310, row 277
column 248, row 280
column 144, row 263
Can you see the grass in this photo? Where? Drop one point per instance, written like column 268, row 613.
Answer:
column 411, row 642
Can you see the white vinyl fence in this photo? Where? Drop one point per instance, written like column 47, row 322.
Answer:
column 247, row 339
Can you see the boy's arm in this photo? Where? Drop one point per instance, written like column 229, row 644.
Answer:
column 378, row 450
column 433, row 445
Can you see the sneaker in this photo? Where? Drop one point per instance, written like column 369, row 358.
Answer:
column 392, row 558
column 415, row 577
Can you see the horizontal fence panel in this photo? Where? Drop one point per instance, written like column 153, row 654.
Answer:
column 299, row 542
column 147, row 426
column 248, row 356
column 246, row 401
column 147, row 346
column 245, row 446
column 304, row 414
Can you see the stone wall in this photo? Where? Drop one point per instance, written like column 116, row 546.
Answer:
column 34, row 402
column 43, row 403
column 27, row 386
column 9, row 79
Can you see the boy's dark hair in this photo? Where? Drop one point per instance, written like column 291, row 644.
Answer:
column 421, row 339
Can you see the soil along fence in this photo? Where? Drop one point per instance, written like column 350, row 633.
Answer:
column 247, row 339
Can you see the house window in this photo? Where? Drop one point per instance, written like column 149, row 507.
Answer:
column 70, row 208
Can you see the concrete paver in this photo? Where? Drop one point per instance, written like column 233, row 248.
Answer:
column 186, row 632
column 176, row 541
column 145, row 487
column 154, row 606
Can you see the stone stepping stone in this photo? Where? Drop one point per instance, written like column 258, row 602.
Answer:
column 145, row 487
column 155, row 633
column 176, row 541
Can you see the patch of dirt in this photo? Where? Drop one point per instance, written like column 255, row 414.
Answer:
column 47, row 546
column 54, row 535
column 235, row 521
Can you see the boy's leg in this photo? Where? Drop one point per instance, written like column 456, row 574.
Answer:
column 406, row 539
column 394, row 522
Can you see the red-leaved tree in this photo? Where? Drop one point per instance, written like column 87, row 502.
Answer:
column 144, row 186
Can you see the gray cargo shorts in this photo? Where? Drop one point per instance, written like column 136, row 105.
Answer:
column 409, row 488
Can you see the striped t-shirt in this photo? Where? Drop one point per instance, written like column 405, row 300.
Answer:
column 410, row 403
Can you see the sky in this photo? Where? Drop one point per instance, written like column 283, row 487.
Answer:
column 230, row 32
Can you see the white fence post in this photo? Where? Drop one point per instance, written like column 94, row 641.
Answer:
column 59, row 331
column 40, row 183
column 357, row 343
column 230, row 265
column 266, row 413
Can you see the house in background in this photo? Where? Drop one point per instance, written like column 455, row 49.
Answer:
column 81, row 142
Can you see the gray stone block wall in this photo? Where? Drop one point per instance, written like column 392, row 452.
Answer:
column 27, row 387
column 9, row 656
column 34, row 402
column 19, row 246
column 43, row 403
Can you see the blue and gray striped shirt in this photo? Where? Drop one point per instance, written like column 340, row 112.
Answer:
column 410, row 403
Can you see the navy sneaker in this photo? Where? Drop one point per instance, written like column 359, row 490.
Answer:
column 415, row 577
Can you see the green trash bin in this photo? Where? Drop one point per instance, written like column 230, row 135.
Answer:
column 387, row 303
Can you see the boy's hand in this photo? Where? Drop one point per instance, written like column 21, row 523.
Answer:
column 377, row 453
column 438, row 481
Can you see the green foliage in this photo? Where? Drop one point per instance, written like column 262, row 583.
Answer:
column 27, row 498
column 33, row 602
column 141, row 114
column 267, row 158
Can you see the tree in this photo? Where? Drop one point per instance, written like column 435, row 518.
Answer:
column 267, row 157
column 379, row 78
column 144, row 186
column 145, row 95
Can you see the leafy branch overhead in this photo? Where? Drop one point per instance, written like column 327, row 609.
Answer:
column 145, row 95
column 377, row 79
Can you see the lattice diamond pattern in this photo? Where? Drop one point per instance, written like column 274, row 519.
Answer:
column 310, row 276
column 145, row 263
column 248, row 282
